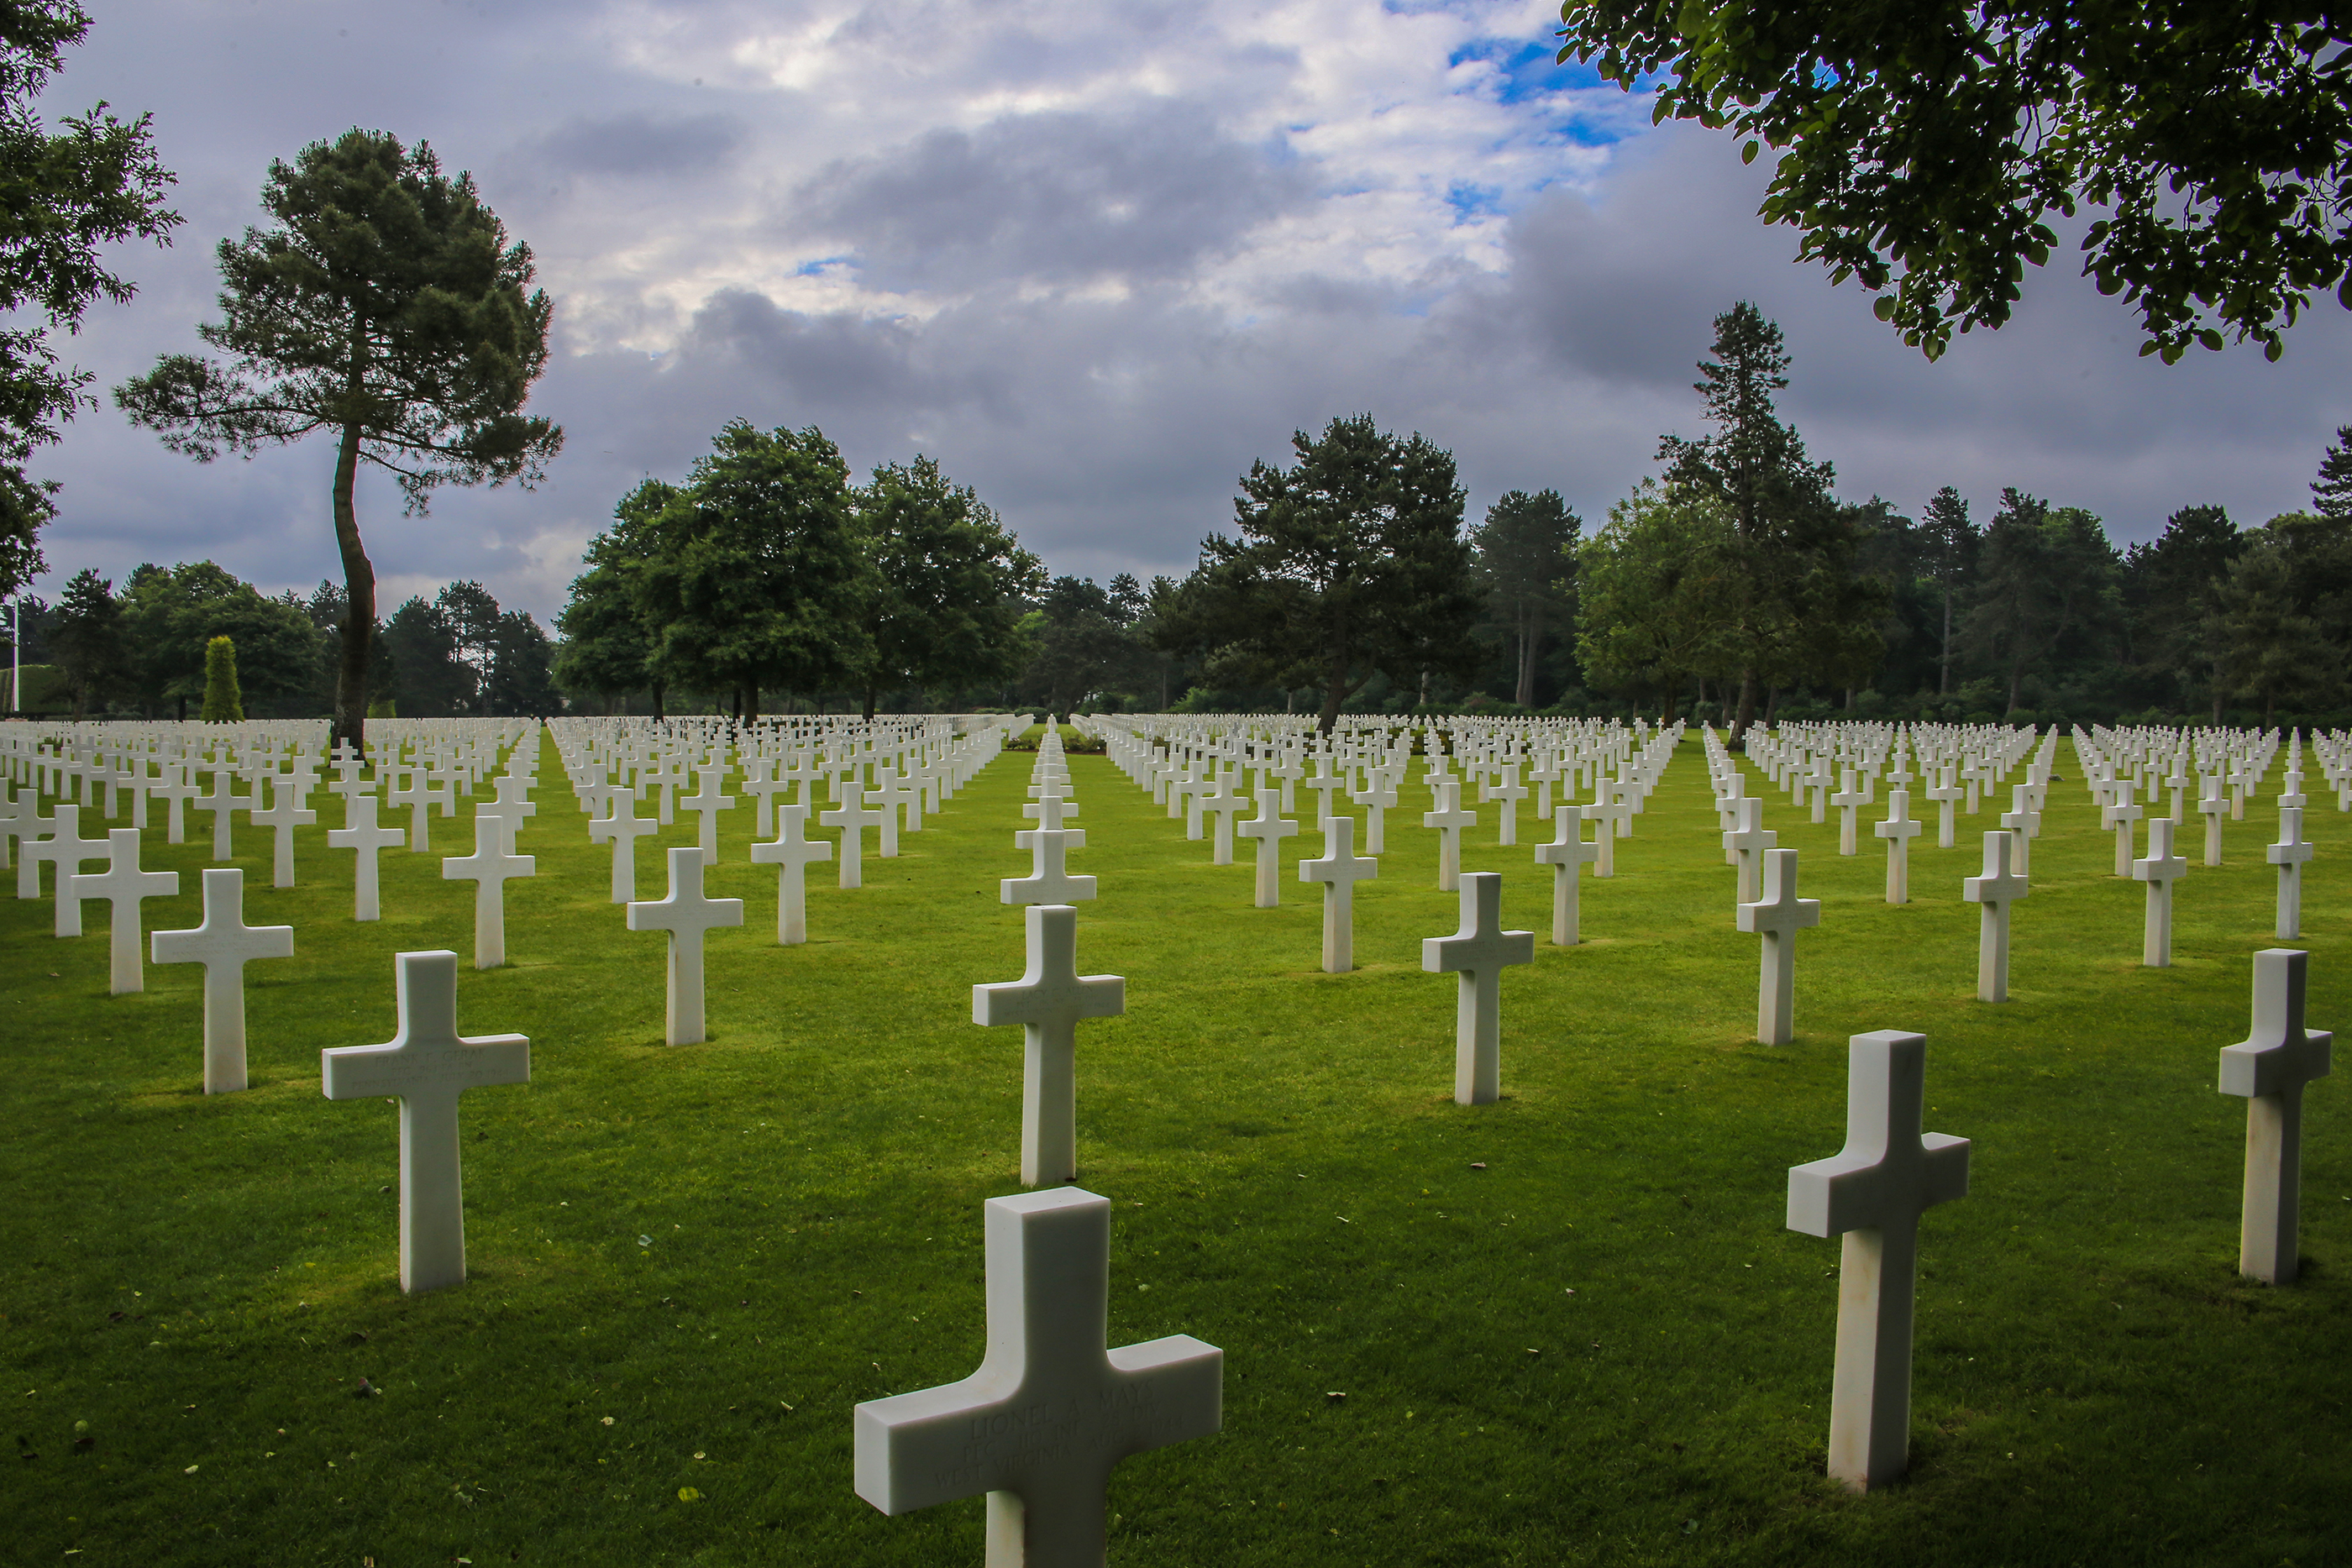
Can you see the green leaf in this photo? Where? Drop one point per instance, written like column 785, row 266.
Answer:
column 1748, row 153
column 1884, row 308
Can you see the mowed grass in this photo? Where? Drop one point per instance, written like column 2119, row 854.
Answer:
column 1602, row 1348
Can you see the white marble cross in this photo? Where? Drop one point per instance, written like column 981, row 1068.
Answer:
column 1848, row 799
column 1050, row 808
column 1996, row 889
column 1748, row 842
column 1268, row 829
column 418, row 797
column 2268, row 1069
column 223, row 943
column 2289, row 855
column 1041, row 1425
column 1378, row 796
column 2159, row 870
column 359, row 833
column 1339, row 870
column 1872, row 1192
column 622, row 829
column 1049, row 880
column 426, row 1065
column 1777, row 916
column 1048, row 1002
column 1227, row 804
column 1567, row 854
column 510, row 804
column 488, row 867
column 224, row 804
column 686, row 914
column 708, row 800
column 2120, row 816
column 2024, row 820
column 1510, row 792
column 790, row 853
column 67, row 852
column 1478, row 954
column 2213, row 807
column 889, row 794
column 1898, row 830
column 1450, row 818
column 853, row 820
column 123, row 884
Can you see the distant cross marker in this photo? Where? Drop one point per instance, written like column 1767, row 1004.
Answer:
column 427, row 1064
column 1748, row 842
column 123, row 885
column 1777, row 916
column 1478, row 954
column 1268, row 829
column 2268, row 1069
column 1227, row 804
column 2159, row 870
column 1048, row 1002
column 852, row 820
column 1041, row 1425
column 2289, row 855
column 1339, row 870
column 622, row 828
column 1996, row 889
column 223, row 943
column 67, row 852
column 1872, row 1192
column 1898, row 830
column 1567, row 854
column 488, row 868
column 1049, row 880
column 791, row 854
column 687, row 916
column 1450, row 818
column 359, row 833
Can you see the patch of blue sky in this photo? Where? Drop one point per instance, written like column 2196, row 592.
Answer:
column 1527, row 68
column 822, row 263
column 1470, row 201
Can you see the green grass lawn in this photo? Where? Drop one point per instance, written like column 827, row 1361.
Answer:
column 1602, row 1347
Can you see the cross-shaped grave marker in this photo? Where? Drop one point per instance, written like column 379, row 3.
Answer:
column 2268, row 1069
column 2213, row 807
column 1849, row 799
column 1268, row 829
column 2289, row 855
column 488, row 868
column 1748, row 842
column 1996, row 889
column 1450, row 819
column 1946, row 794
column 2120, row 816
column 1339, row 870
column 1050, row 808
column 2024, row 820
column 1048, row 1002
column 1777, row 916
column 790, row 853
column 123, row 885
column 359, row 833
column 1567, row 854
column 1050, row 1412
column 1872, row 1192
column 1510, row 792
column 223, row 803
column 889, row 793
column 285, row 814
column 1049, row 880
column 2159, row 870
column 1478, row 954
column 509, row 803
column 852, row 819
column 1898, row 830
column 67, row 852
column 686, row 915
column 1226, row 803
column 622, row 829
column 1378, row 796
column 708, row 800
column 223, row 943
column 426, row 1065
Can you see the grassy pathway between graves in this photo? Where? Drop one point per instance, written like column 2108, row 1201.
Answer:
column 1602, row 1347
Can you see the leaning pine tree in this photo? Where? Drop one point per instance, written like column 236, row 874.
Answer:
column 384, row 305
column 223, row 704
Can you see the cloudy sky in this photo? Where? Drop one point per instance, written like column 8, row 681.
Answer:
column 1095, row 258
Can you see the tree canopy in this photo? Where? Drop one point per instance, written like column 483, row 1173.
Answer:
column 385, row 306
column 942, row 596
column 1924, row 148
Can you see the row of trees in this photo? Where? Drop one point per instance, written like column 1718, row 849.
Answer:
column 769, row 571
column 143, row 651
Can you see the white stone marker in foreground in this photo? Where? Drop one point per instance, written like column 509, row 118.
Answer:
column 2268, row 1068
column 1339, row 871
column 1050, row 1412
column 427, row 1064
column 2289, row 855
column 1778, row 917
column 1270, row 828
column 1567, row 854
column 1049, row 879
column 2160, row 869
column 488, row 869
column 359, row 833
column 223, row 943
column 1872, row 1192
column 123, row 884
column 686, row 915
column 791, row 854
column 622, row 828
column 1478, row 954
column 1048, row 1002
column 1996, row 889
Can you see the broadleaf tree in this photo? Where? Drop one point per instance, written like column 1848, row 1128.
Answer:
column 945, row 582
column 385, row 306
column 1925, row 149
column 62, row 197
column 1349, row 563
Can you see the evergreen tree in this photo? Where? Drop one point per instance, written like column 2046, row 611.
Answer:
column 2046, row 572
column 223, row 703
column 2331, row 493
column 1948, row 547
column 385, row 306
column 85, row 639
column 608, row 648
column 1525, row 553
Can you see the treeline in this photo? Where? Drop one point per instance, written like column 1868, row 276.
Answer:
column 142, row 651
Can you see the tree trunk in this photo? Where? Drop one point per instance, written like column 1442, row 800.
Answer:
column 1944, row 660
column 1771, row 705
column 870, row 702
column 659, row 688
column 1746, row 715
column 751, row 701
column 1530, row 638
column 2016, row 679
column 358, row 588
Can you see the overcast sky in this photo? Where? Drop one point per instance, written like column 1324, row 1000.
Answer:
column 1095, row 258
